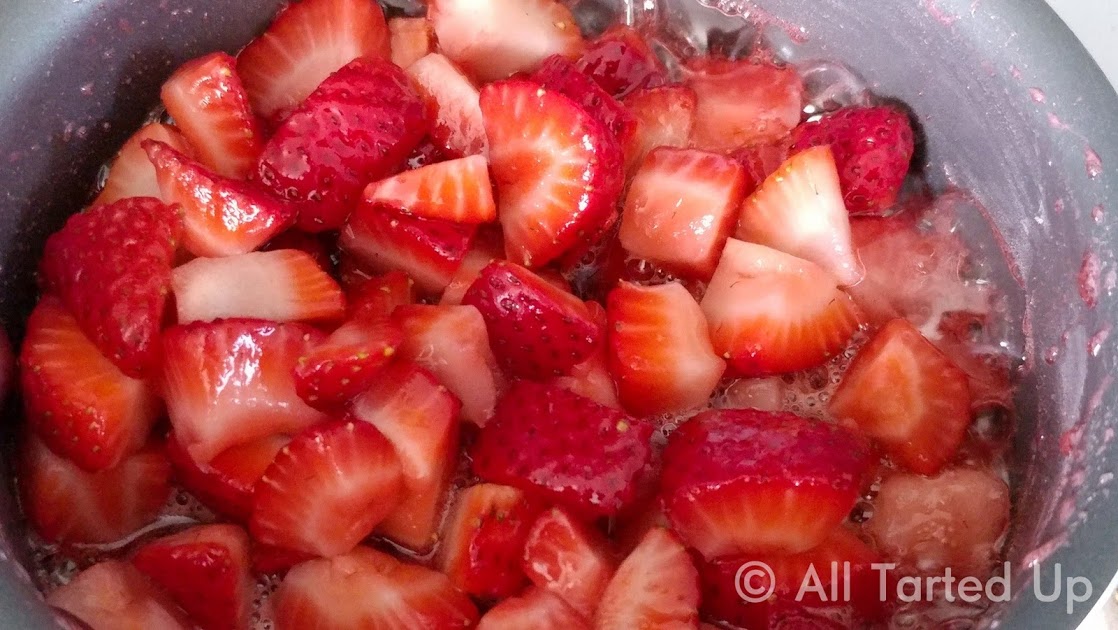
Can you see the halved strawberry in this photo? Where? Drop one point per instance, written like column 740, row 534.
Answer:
column 665, row 116
column 742, row 102
column 660, row 350
column 131, row 173
column 484, row 250
column 410, row 39
column 76, row 400
column 369, row 589
column 457, row 127
column 305, row 43
column 205, row 570
column 494, row 39
column 348, row 361
column 742, row 481
column 534, row 608
column 906, row 394
column 209, row 105
column 456, row 190
column 225, row 484
column 69, row 505
column 771, row 313
column 327, row 489
column 592, row 378
column 799, row 211
column 420, row 417
column 562, row 75
column 621, row 61
column 558, row 170
column 568, row 558
column 113, row 595
column 656, row 586
column 231, row 382
column 380, row 295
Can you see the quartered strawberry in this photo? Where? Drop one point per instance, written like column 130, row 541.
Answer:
column 230, row 382
column 742, row 102
column 656, row 586
column 113, row 595
column 420, row 417
column 561, row 75
column 681, row 207
column 536, row 330
column 132, row 173
column 209, row 105
column 771, row 313
column 621, row 61
column 225, row 484
column 565, row 448
column 380, row 295
column 111, row 265
column 660, row 351
column 744, row 481
column 457, row 127
column 205, row 571
column 358, row 126
column 485, row 249
column 76, row 400
column 348, row 361
column 455, row 190
column 906, row 394
column 592, row 378
column 327, row 489
column 494, row 39
column 873, row 148
column 410, row 39
column 665, row 116
column 282, row 285
column 320, row 246
column 568, row 558
column 69, row 505
column 534, row 608
column 369, row 589
column 558, row 170
column 308, row 41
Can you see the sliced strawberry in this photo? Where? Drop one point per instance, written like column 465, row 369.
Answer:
column 457, row 127
column 764, row 394
column 621, row 61
column 347, row 362
column 656, row 586
column 420, row 417
column 113, row 595
column 558, row 170
column 426, row 154
column 761, row 160
column 226, row 483
column 562, row 75
column 205, row 570
column 380, row 295
column 536, row 329
column 665, row 116
column 565, row 448
column 456, row 190
column 209, row 105
column 69, row 505
column 273, row 560
column 741, row 102
column 771, row 313
column 905, row 393
column 111, row 265
column 230, row 382
column 327, row 489
column 494, row 39
column 358, row 126
column 742, row 481
column 592, row 378
column 535, row 608
column 318, row 246
column 410, row 39
column 483, row 251
column 369, row 589
column 569, row 559
column 307, row 42
column 132, row 173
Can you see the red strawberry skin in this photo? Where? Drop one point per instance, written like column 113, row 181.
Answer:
column 621, row 61
column 225, row 484
column 347, row 362
column 562, row 75
column 111, row 265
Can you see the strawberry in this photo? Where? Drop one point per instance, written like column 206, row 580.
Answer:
column 799, row 210
column 410, row 39
column 681, row 207
column 308, row 41
column 621, row 61
column 205, row 570
column 347, row 362
column 420, row 417
column 456, row 190
column 764, row 394
column 380, row 295
column 536, row 330
column 369, row 589
column 591, row 378
column 771, row 313
column 111, row 265
column 281, row 285
column 318, row 246
column 483, row 251
column 535, row 608
column 484, row 538
column 761, row 160
column 209, row 105
column 273, row 560
column 561, row 75
column 451, row 342
column 664, row 115
column 567, row 558
column 457, row 127
column 906, row 394
column 221, row 216
column 741, row 102
column 132, row 173
column 558, row 170
column 327, row 489
column 358, row 126
column 565, row 448
column 69, row 505
column 744, row 481
column 656, row 586
column 76, row 400
column 873, row 148
column 230, row 382
column 225, row 484
column 494, row 39
column 659, row 349
column 113, row 595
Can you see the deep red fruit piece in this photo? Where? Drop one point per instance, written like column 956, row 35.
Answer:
column 621, row 61
column 131, row 173
column 225, row 484
column 535, row 608
column 486, row 248
column 570, row 559
column 348, row 361
column 562, row 75
column 113, row 595
column 656, row 586
column 592, row 378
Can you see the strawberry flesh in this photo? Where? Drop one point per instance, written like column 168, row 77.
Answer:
column 656, row 586
column 225, row 484
column 535, row 608
column 410, row 38
column 457, row 127
column 455, row 190
column 568, row 558
column 114, row 595
column 132, row 174
column 561, row 75
column 741, row 103
column 621, row 61
column 665, row 117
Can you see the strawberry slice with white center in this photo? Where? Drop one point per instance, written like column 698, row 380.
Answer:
column 209, row 105
column 455, row 190
column 656, row 586
column 558, row 170
column 535, row 608
column 570, row 559
column 660, row 351
column 410, row 39
column 348, row 361
column 909, row 396
column 225, row 484
column 665, row 116
column 132, row 173
column 741, row 102
column 327, row 489
column 113, row 595
column 592, row 378
column 457, row 128
column 307, row 42
column 771, row 313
